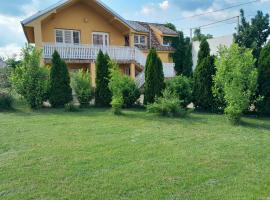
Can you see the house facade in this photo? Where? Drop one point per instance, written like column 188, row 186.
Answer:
column 78, row 29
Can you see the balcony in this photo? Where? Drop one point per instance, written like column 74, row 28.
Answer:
column 89, row 52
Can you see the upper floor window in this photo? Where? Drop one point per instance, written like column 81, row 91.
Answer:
column 140, row 39
column 166, row 41
column 100, row 39
column 67, row 36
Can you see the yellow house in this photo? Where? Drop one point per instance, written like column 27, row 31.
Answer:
column 78, row 29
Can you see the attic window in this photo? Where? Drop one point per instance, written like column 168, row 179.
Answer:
column 166, row 41
column 67, row 36
column 139, row 40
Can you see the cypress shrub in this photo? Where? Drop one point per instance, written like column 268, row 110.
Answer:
column 203, row 82
column 103, row 95
column 154, row 77
column 60, row 91
column 264, row 80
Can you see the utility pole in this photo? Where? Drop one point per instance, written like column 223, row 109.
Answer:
column 238, row 23
column 191, row 35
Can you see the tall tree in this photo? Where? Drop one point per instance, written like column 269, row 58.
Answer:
column 182, row 56
column 103, row 95
column 154, row 77
column 236, row 77
column 264, row 80
column 203, row 79
column 188, row 71
column 60, row 91
column 253, row 35
column 198, row 36
column 204, row 51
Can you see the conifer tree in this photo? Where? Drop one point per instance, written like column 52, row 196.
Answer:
column 154, row 77
column 103, row 95
column 264, row 80
column 60, row 91
column 203, row 79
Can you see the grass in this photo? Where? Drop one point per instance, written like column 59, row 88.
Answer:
column 51, row 154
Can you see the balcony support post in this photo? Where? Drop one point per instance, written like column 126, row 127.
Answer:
column 132, row 70
column 93, row 73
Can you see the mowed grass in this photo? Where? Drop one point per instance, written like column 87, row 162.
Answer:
column 92, row 154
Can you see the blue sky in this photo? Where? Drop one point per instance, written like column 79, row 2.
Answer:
column 13, row 11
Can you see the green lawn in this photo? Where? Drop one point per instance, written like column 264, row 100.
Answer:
column 92, row 154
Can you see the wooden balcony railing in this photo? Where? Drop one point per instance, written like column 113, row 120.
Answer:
column 90, row 52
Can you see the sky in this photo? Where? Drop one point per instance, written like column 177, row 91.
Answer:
column 177, row 12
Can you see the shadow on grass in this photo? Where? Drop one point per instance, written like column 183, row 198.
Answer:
column 254, row 125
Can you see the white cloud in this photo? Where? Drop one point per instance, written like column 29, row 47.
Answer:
column 148, row 9
column 13, row 36
column 10, row 50
column 32, row 8
column 164, row 5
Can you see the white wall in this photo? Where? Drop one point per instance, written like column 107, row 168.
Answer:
column 214, row 43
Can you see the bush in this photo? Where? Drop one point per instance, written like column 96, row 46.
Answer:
column 60, row 91
column 81, row 84
column 103, row 95
column 117, row 103
column 125, row 91
column 236, row 79
column 5, row 74
column 30, row 80
column 6, row 101
column 168, row 105
column 70, row 107
column 182, row 87
column 130, row 91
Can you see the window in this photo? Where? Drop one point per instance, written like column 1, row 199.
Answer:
column 100, row 39
column 67, row 36
column 140, row 39
column 166, row 41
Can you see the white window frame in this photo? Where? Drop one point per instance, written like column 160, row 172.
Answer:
column 103, row 34
column 63, row 36
column 139, row 40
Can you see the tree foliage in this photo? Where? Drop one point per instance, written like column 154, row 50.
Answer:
column 182, row 56
column 81, row 84
column 154, row 77
column 103, row 95
column 182, row 87
column 253, row 35
column 124, row 89
column 236, row 77
column 264, row 80
column 198, row 36
column 30, row 80
column 60, row 91
column 168, row 105
column 203, row 79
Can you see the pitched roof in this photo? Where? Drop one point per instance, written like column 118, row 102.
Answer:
column 135, row 25
column 64, row 2
column 138, row 26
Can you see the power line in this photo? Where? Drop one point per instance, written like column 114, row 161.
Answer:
column 214, row 11
column 216, row 22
